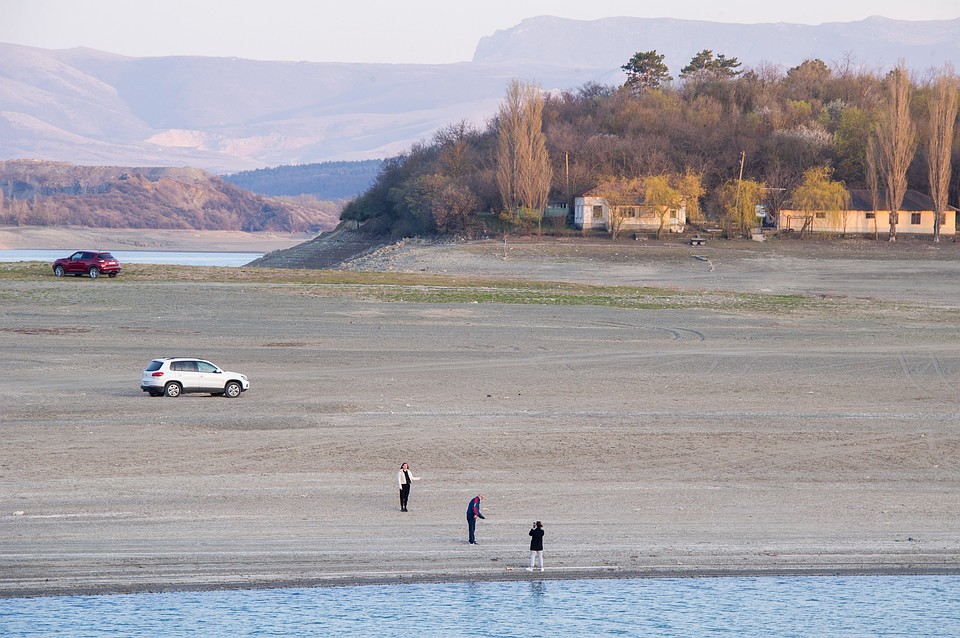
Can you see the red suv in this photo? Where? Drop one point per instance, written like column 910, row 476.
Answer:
column 87, row 262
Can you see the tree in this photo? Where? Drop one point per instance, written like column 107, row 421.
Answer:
column 819, row 193
column 739, row 200
column 661, row 196
column 690, row 185
column 646, row 71
column 622, row 195
column 943, row 116
column 706, row 67
column 457, row 157
column 808, row 80
column 873, row 181
column 523, row 164
column 896, row 141
column 849, row 143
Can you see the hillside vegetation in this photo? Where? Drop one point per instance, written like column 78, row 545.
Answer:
column 332, row 181
column 779, row 124
column 57, row 194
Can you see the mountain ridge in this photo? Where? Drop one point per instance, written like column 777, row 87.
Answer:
column 224, row 115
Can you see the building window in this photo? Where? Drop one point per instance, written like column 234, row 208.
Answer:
column 598, row 212
column 820, row 215
column 871, row 215
column 915, row 219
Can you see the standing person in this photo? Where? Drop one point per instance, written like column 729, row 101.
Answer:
column 404, row 479
column 473, row 513
column 536, row 545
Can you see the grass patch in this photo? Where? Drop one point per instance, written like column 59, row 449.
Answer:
column 434, row 289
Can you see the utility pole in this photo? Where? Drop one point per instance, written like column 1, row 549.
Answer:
column 736, row 201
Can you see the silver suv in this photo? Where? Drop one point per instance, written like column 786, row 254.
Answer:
column 174, row 376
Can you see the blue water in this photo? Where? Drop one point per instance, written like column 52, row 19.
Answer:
column 740, row 607
column 141, row 257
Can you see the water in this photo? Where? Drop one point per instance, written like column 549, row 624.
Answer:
column 741, row 607
column 140, row 257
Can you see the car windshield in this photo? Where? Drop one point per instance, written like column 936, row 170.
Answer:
column 105, row 256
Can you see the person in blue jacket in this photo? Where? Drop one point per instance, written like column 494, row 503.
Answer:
column 473, row 513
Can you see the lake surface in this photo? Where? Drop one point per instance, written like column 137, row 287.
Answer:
column 742, row 607
column 174, row 258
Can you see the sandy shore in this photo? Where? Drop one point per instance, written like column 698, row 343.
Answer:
column 47, row 237
column 819, row 438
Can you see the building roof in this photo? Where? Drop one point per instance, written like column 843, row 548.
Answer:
column 912, row 200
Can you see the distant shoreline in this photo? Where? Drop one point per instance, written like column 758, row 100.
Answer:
column 510, row 574
column 72, row 238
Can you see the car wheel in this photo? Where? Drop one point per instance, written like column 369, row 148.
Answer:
column 58, row 271
column 172, row 389
column 232, row 390
column 94, row 272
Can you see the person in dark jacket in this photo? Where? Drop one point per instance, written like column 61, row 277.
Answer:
column 473, row 513
column 536, row 545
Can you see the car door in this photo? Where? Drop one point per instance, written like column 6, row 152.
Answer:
column 76, row 263
column 209, row 377
column 187, row 374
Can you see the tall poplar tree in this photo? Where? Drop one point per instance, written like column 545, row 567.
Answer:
column 523, row 164
column 943, row 116
column 896, row 141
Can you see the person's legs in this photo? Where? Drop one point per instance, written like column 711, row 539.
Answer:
column 404, row 495
column 472, row 525
column 533, row 556
column 540, row 558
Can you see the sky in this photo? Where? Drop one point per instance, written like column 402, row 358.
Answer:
column 406, row 31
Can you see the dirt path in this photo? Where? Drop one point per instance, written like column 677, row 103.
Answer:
column 649, row 442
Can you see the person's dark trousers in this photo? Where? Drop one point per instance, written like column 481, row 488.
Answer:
column 472, row 524
column 404, row 495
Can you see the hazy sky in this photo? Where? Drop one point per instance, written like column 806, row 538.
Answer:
column 421, row 31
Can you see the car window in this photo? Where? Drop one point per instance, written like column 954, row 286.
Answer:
column 77, row 255
column 87, row 256
column 184, row 366
column 154, row 366
column 105, row 256
column 203, row 366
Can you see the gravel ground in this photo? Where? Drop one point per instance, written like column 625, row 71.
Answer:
column 822, row 438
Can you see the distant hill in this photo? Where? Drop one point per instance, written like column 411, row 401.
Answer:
column 58, row 194
column 228, row 114
column 874, row 43
column 325, row 181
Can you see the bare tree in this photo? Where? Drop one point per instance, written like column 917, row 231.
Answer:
column 943, row 116
column 873, row 182
column 509, row 132
column 536, row 173
column 896, row 141
column 523, row 163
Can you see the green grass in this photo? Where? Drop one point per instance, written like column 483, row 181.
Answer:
column 435, row 289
